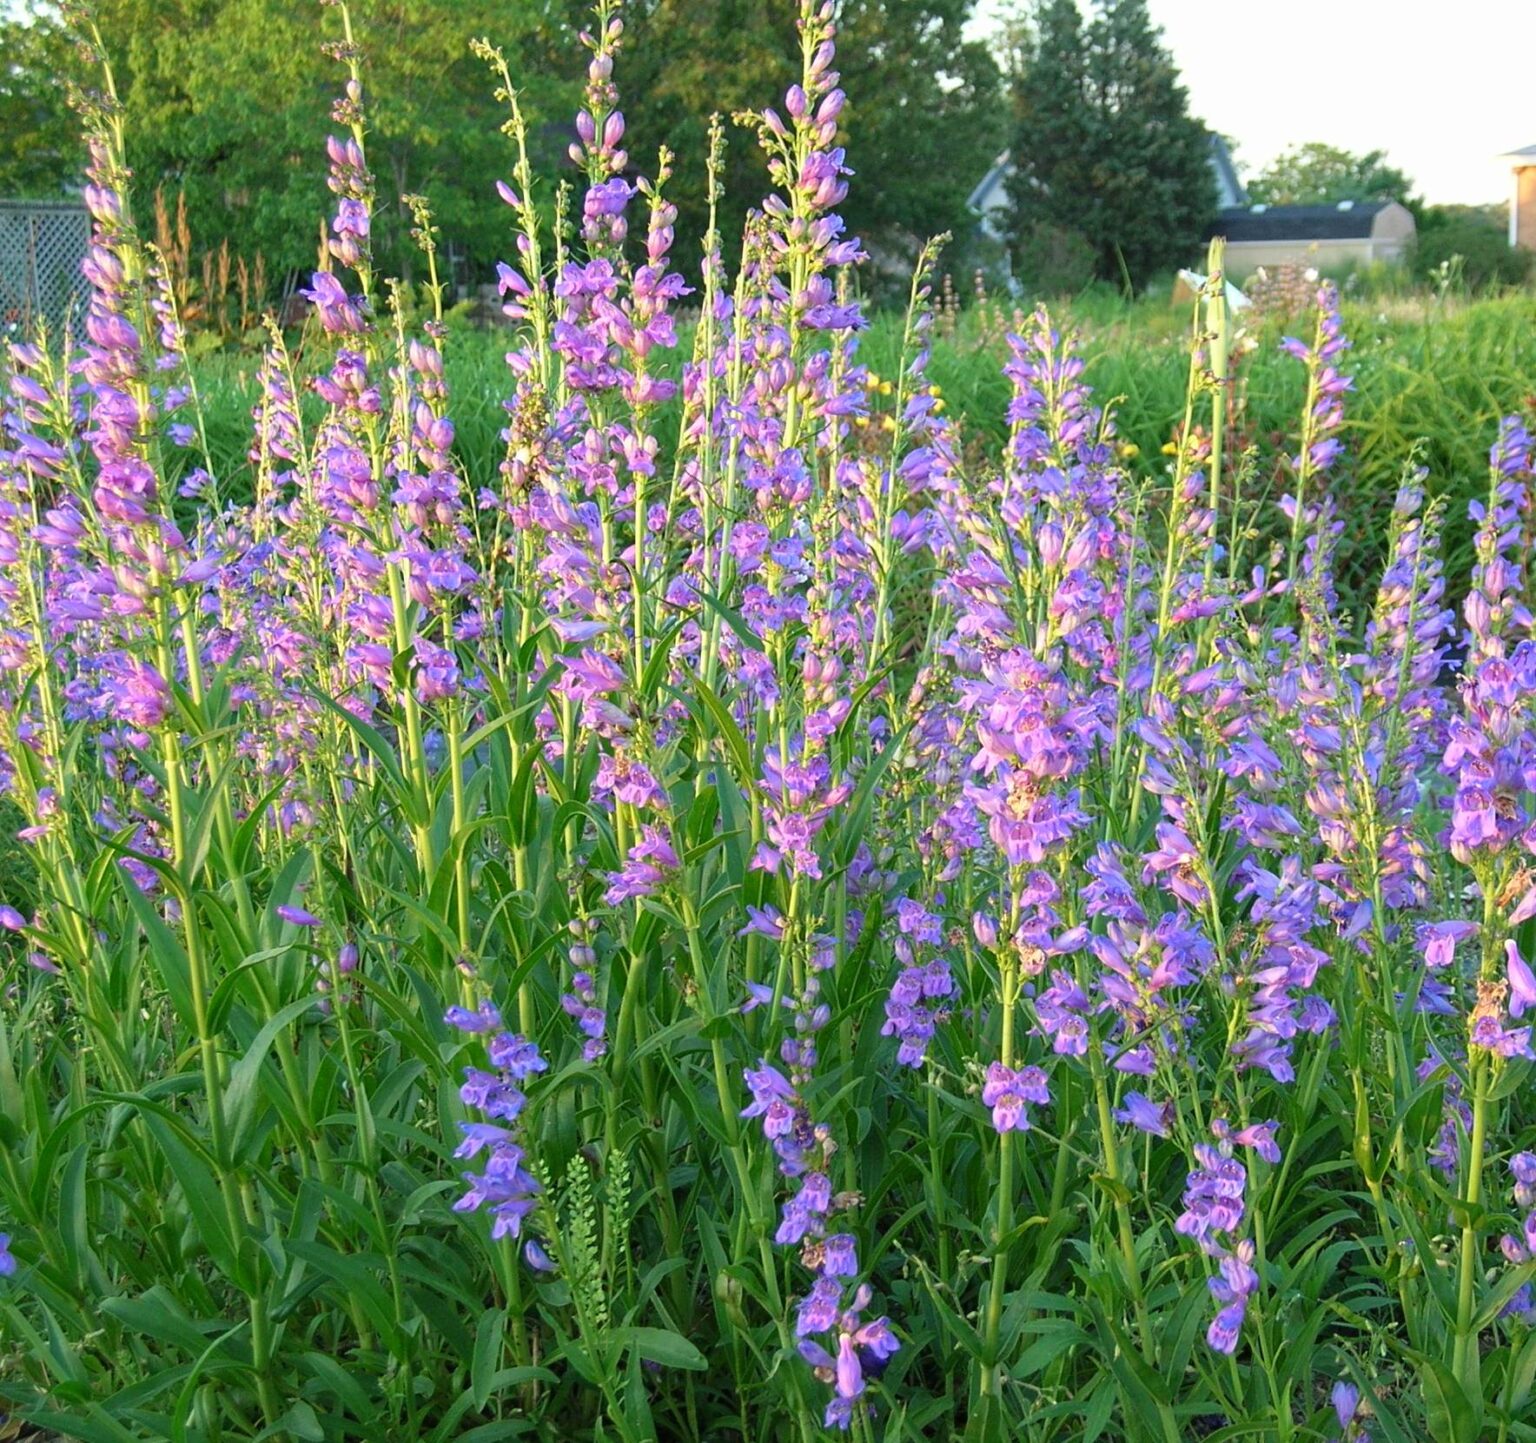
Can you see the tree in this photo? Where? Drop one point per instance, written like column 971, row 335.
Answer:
column 921, row 118
column 41, row 146
column 1318, row 174
column 228, row 102
column 1468, row 244
column 918, row 125
column 683, row 61
column 1104, row 145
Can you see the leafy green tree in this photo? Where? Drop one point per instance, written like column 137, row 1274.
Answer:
column 40, row 147
column 919, row 125
column 684, row 61
column 924, row 105
column 1104, row 145
column 228, row 102
column 1318, row 174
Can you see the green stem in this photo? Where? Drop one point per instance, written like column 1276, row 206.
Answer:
column 1466, row 1336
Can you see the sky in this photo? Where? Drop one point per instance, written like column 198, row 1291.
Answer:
column 1443, row 88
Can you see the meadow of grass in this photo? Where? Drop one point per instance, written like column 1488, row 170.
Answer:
column 1433, row 374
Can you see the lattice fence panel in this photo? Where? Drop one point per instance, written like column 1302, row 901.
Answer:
column 41, row 247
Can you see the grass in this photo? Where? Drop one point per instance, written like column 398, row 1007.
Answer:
column 1432, row 378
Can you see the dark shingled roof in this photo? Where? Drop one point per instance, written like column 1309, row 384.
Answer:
column 1299, row 222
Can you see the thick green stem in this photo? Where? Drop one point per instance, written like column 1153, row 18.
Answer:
column 1465, row 1345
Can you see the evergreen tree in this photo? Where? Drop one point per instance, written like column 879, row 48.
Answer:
column 1051, row 204
column 1104, row 146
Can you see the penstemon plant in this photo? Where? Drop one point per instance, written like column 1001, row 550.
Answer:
column 749, row 919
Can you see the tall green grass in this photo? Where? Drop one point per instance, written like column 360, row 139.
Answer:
column 1432, row 379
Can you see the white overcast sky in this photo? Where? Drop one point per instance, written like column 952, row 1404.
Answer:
column 1443, row 88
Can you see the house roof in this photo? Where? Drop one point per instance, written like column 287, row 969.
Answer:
column 989, row 183
column 1347, row 221
column 1230, row 190
column 1526, row 155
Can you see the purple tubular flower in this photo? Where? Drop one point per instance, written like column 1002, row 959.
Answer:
column 840, row 1256
column 1522, row 985
column 818, row 1311
column 536, row 1258
column 339, row 313
column 650, row 862
column 850, row 1372
column 517, row 1056
column 1346, row 1400
column 485, row 1018
column 478, row 1136
column 1006, row 1092
column 1261, row 1138
column 1522, row 1167
column 1226, row 1327
column 297, row 916
column 7, row 1258
column 1438, row 940
column 1234, row 1283
column 1144, row 1115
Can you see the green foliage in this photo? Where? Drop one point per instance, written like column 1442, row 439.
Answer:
column 1054, row 260
column 1428, row 372
column 40, row 144
column 18, row 875
column 224, row 101
column 227, row 101
column 1469, row 246
column 1319, row 174
column 921, row 113
column 1104, row 144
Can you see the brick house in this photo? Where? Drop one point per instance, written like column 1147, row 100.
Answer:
column 1522, row 200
